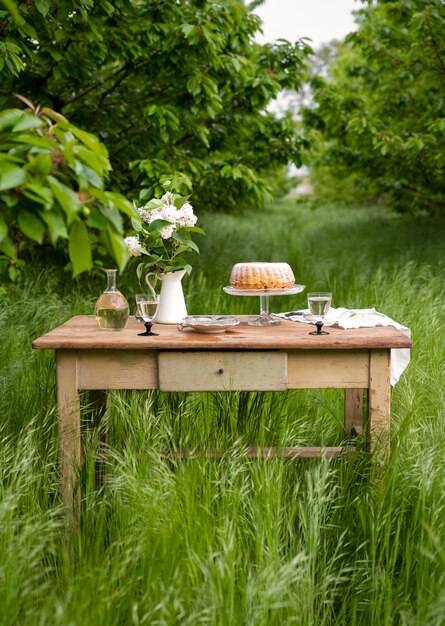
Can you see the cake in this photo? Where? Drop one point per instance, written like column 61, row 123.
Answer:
column 261, row 276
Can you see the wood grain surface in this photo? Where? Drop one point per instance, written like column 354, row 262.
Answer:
column 81, row 332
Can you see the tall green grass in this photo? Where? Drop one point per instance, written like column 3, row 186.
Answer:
column 233, row 540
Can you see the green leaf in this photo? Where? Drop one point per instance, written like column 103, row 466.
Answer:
column 10, row 200
column 56, row 55
column 55, row 223
column 192, row 245
column 196, row 229
column 66, row 197
column 9, row 117
column 90, row 158
column 180, row 201
column 13, row 272
column 156, row 225
column 93, row 143
column 7, row 247
column 153, row 204
column 53, row 115
column 118, row 248
column 11, row 177
column 122, row 204
column 39, row 142
column 39, row 193
column 113, row 217
column 93, row 178
column 3, row 228
column 194, row 84
column 30, row 30
column 97, row 220
column 136, row 223
column 27, row 121
column 180, row 249
column 139, row 270
column 31, row 226
column 40, row 164
column 42, row 6
column 9, row 158
column 188, row 29
column 79, row 248
column 179, row 235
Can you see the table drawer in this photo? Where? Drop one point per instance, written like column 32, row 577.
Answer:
column 320, row 369
column 222, row 371
column 117, row 369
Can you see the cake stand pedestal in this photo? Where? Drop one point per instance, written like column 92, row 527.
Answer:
column 265, row 318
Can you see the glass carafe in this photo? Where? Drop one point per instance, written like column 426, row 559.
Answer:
column 112, row 308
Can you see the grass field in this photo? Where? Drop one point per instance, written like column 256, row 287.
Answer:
column 234, row 541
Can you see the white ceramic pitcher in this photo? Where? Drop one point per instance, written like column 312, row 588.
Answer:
column 172, row 309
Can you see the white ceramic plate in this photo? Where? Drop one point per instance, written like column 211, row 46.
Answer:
column 209, row 323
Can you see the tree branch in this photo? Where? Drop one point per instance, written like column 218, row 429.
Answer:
column 107, row 93
column 86, row 91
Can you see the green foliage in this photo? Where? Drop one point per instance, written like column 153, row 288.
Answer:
column 52, row 188
column 166, row 85
column 378, row 119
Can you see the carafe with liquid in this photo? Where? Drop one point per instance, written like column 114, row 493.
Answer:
column 112, row 310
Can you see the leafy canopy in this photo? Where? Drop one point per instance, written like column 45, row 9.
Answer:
column 167, row 86
column 378, row 120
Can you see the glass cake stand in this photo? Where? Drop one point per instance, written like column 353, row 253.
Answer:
column 265, row 318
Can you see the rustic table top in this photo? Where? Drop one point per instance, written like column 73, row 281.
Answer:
column 82, row 333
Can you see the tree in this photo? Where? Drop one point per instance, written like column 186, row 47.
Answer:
column 52, row 187
column 167, row 86
column 378, row 120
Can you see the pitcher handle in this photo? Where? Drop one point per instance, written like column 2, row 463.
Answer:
column 150, row 286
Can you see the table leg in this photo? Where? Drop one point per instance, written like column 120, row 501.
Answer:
column 68, row 404
column 353, row 413
column 379, row 400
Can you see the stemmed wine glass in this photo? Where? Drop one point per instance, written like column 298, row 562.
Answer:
column 319, row 304
column 146, row 307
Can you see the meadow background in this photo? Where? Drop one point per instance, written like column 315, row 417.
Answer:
column 99, row 102
column 234, row 540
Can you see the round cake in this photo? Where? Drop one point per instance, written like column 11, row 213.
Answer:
column 261, row 276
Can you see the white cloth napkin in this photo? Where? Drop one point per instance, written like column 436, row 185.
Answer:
column 361, row 318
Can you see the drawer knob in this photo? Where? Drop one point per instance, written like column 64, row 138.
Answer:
column 221, row 370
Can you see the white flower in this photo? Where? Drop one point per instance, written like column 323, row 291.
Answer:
column 133, row 245
column 167, row 231
column 167, row 197
column 186, row 215
column 144, row 214
column 168, row 212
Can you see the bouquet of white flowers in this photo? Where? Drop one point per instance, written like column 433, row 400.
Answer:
column 163, row 232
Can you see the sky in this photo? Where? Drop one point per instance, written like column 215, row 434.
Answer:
column 321, row 20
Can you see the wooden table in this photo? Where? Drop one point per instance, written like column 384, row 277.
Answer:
column 247, row 358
